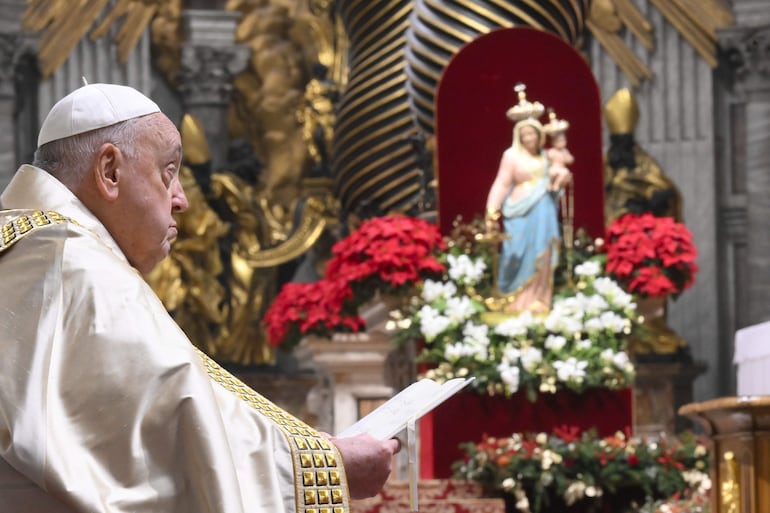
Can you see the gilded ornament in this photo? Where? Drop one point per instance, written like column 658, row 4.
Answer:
column 621, row 112
column 730, row 484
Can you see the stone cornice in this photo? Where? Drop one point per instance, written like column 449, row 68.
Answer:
column 207, row 72
column 210, row 57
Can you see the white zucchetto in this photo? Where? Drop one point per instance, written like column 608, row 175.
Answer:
column 93, row 106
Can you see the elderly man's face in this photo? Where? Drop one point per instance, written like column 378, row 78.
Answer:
column 150, row 193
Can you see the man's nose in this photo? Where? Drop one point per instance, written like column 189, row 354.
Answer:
column 179, row 199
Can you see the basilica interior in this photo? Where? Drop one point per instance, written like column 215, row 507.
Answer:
column 301, row 120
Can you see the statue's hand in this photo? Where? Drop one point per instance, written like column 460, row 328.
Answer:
column 560, row 178
column 492, row 221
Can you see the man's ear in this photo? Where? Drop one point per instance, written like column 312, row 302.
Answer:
column 107, row 172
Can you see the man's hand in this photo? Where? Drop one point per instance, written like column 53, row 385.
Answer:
column 368, row 463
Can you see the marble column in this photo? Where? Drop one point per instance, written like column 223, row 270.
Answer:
column 747, row 52
column 8, row 58
column 209, row 61
column 12, row 48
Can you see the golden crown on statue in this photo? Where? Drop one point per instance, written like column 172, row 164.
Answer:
column 555, row 125
column 525, row 108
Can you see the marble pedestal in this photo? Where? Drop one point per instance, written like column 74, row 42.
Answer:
column 354, row 365
column 659, row 390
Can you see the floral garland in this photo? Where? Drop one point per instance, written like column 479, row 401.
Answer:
column 579, row 344
column 537, row 469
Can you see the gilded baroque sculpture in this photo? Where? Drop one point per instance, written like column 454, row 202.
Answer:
column 633, row 181
column 269, row 211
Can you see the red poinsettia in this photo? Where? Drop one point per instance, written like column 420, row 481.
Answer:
column 388, row 254
column 317, row 308
column 651, row 256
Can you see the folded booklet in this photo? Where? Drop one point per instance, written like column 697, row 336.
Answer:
column 390, row 418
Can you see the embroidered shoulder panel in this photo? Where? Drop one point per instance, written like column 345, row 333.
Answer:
column 15, row 230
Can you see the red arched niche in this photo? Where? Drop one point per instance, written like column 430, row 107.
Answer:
column 472, row 131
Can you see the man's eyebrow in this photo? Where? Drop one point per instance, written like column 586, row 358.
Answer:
column 178, row 150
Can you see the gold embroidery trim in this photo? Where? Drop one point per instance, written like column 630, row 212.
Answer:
column 317, row 471
column 15, row 230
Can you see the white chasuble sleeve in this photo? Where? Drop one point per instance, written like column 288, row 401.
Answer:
column 106, row 405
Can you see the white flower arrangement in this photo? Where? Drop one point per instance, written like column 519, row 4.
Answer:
column 579, row 344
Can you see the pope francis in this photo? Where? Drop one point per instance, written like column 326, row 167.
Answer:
column 105, row 405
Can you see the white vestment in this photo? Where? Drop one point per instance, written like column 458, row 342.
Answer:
column 107, row 407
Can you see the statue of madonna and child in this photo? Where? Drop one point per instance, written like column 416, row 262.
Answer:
column 524, row 198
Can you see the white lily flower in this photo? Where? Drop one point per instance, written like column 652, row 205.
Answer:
column 459, row 309
column 513, row 327
column 432, row 323
column 584, row 344
column 510, row 354
column 555, row 342
column 570, row 370
column 477, row 333
column 531, row 358
column 621, row 360
column 464, row 270
column 595, row 304
column 432, row 290
column 510, row 376
column 613, row 322
column 588, row 268
column 593, row 325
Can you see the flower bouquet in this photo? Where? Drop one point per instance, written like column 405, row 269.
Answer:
column 385, row 254
column 654, row 259
column 651, row 256
column 579, row 344
column 559, row 470
column 320, row 308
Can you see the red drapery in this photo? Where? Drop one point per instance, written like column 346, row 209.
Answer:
column 467, row 416
column 472, row 131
